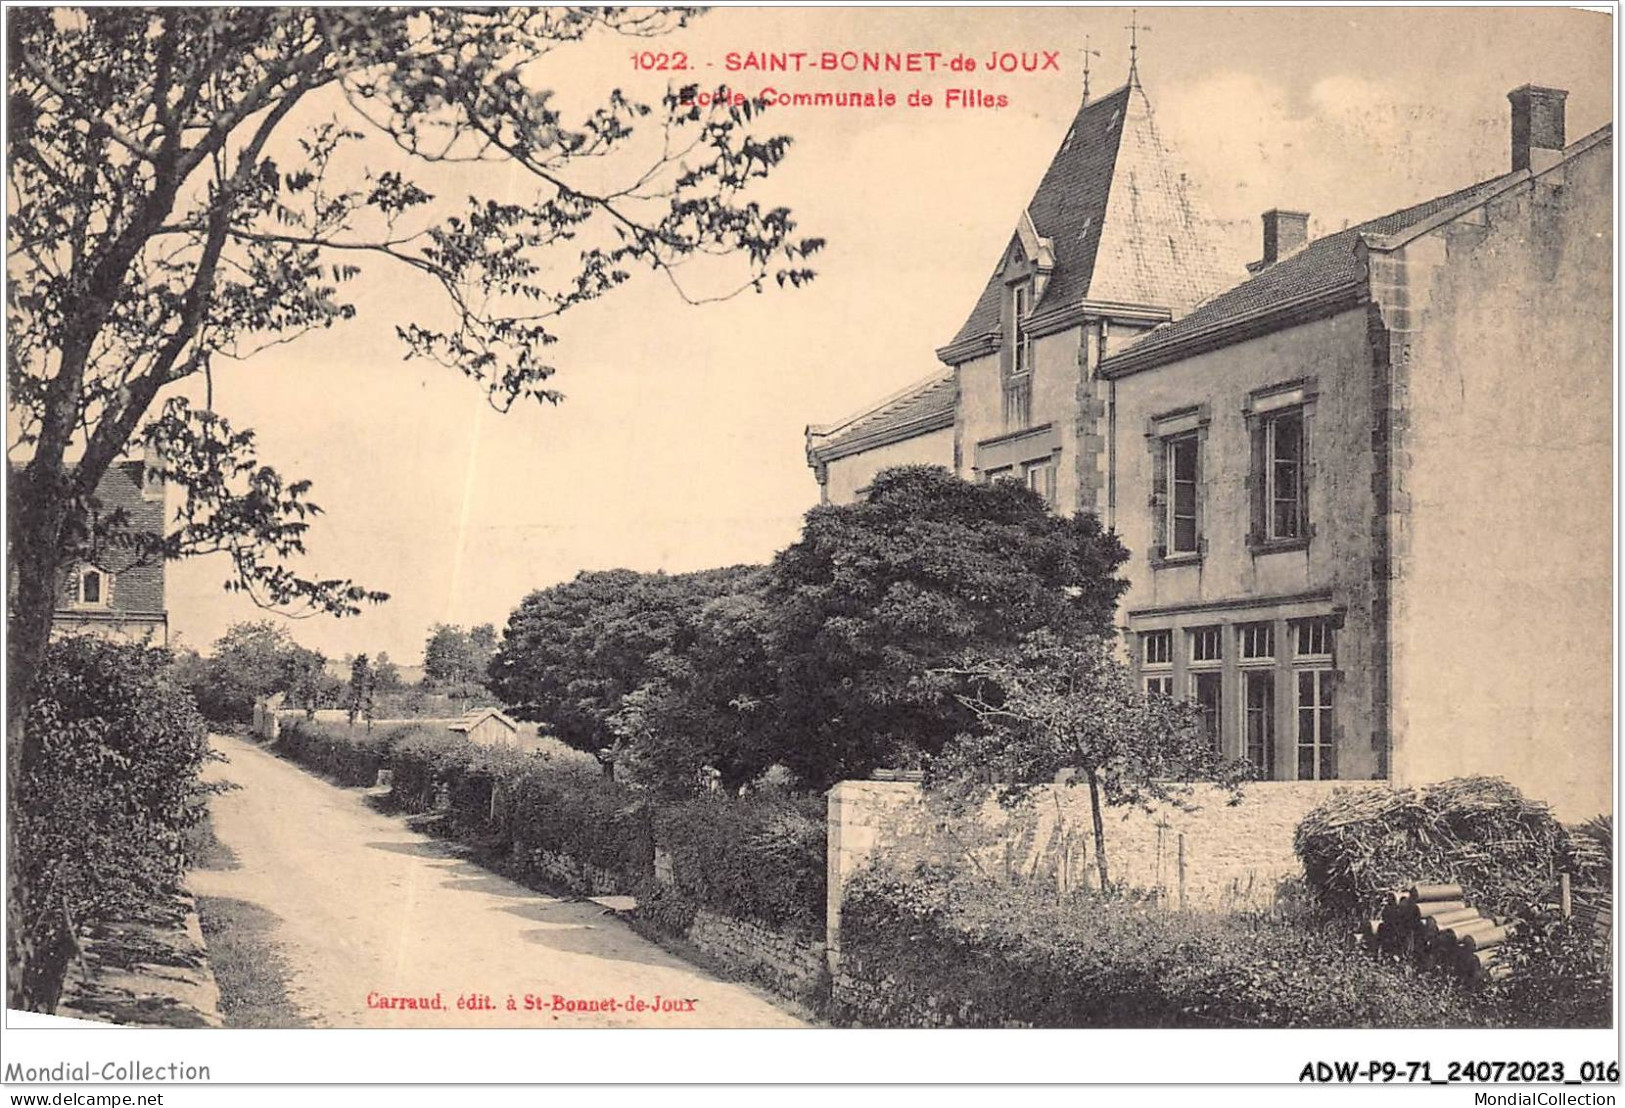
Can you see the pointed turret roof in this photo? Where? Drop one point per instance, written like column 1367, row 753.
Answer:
column 1119, row 217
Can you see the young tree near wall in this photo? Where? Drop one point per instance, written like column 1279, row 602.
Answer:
column 1057, row 705
column 194, row 184
column 880, row 596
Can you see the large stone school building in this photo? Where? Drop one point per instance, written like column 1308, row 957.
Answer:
column 1366, row 483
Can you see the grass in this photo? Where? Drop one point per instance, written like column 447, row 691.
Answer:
column 204, row 850
column 250, row 969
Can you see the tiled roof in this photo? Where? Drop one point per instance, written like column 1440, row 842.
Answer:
column 1120, row 216
column 924, row 407
column 1069, row 208
column 1322, row 267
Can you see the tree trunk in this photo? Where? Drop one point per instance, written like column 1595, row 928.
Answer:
column 1100, row 830
column 37, row 562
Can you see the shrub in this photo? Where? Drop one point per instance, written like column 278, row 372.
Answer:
column 349, row 755
column 1562, row 975
column 102, row 815
column 947, row 948
column 1478, row 832
column 759, row 857
column 573, row 810
column 421, row 759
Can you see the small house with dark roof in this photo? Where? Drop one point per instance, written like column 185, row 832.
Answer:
column 1112, row 242
column 1367, row 491
column 115, row 594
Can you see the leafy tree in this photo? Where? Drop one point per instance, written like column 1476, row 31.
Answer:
column 573, row 653
column 191, row 185
column 249, row 661
column 879, row 597
column 455, row 660
column 708, row 705
column 1068, row 709
column 363, row 690
column 309, row 684
column 387, row 673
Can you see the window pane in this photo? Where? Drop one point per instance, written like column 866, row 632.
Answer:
column 1184, row 458
column 92, row 592
column 1288, row 437
column 1306, row 763
column 1184, row 533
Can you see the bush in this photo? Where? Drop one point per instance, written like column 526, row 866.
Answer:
column 947, row 948
column 760, row 857
column 102, row 815
column 349, row 755
column 423, row 757
column 1562, row 975
column 574, row 810
column 1479, row 832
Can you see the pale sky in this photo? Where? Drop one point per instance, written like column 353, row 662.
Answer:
column 679, row 445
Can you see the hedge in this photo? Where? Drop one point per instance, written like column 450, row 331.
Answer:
column 759, row 857
column 349, row 755
column 944, row 948
column 101, row 816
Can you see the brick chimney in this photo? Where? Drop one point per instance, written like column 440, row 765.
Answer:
column 1285, row 233
column 1537, row 126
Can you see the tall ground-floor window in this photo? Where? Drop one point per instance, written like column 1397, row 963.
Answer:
column 1207, row 690
column 1258, row 719
column 1317, row 748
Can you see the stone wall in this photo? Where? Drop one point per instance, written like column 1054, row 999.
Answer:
column 1234, row 856
column 150, row 971
column 577, row 876
column 791, row 965
column 788, row 964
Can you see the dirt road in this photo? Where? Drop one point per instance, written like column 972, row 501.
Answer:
column 374, row 916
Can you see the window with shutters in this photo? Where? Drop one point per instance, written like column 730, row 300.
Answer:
column 1041, row 479
column 1177, row 497
column 1180, row 494
column 1279, row 420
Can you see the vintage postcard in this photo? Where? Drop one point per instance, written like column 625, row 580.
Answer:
column 849, row 518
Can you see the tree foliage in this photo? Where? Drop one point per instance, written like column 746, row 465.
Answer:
column 455, row 660
column 362, row 694
column 194, row 185
column 99, row 820
column 1069, row 710
column 878, row 597
column 831, row 661
column 573, row 653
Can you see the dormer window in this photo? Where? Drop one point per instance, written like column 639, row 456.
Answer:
column 1021, row 350
column 1018, row 385
column 93, row 588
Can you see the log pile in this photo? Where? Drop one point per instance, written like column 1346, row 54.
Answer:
column 1435, row 925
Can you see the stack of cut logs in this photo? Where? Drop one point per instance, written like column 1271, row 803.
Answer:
column 1434, row 925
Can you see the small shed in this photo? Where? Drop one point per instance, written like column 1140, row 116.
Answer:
column 487, row 727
